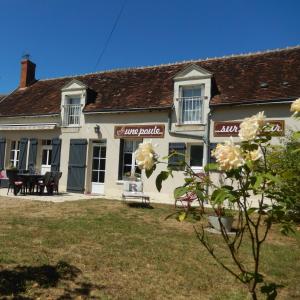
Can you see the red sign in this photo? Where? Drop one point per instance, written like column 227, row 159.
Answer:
column 233, row 128
column 140, row 131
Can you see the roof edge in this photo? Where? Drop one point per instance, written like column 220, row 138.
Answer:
column 231, row 56
column 127, row 110
column 254, row 102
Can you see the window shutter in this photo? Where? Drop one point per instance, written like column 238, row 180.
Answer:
column 32, row 154
column 120, row 175
column 175, row 162
column 2, row 153
column 55, row 158
column 77, row 165
column 23, row 153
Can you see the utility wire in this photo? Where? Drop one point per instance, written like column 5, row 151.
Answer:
column 110, row 34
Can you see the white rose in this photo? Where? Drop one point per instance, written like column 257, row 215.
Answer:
column 295, row 107
column 228, row 156
column 145, row 156
column 251, row 127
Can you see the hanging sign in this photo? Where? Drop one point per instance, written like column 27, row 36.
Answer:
column 139, row 131
column 233, row 128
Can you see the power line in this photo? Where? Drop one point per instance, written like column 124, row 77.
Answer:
column 110, row 34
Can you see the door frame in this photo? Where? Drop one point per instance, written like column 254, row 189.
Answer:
column 93, row 144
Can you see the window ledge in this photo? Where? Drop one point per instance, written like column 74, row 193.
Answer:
column 189, row 124
column 120, row 182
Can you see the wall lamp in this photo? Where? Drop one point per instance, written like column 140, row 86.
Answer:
column 97, row 129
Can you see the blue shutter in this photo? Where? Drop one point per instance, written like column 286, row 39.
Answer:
column 77, row 165
column 121, row 154
column 2, row 153
column 23, row 153
column 55, row 158
column 175, row 162
column 32, row 154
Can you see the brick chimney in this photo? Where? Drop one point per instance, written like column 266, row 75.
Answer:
column 27, row 73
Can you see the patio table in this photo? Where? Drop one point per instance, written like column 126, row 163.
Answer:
column 31, row 180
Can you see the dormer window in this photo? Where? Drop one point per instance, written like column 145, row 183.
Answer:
column 192, row 90
column 72, row 111
column 73, row 99
column 191, row 105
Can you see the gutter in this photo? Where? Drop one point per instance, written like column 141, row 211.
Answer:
column 117, row 111
column 257, row 102
column 31, row 116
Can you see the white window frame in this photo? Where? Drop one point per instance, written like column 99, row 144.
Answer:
column 196, row 169
column 16, row 153
column 133, row 161
column 72, row 111
column 192, row 100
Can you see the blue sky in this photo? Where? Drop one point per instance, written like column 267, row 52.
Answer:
column 66, row 37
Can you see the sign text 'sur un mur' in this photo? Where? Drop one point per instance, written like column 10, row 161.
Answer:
column 233, row 128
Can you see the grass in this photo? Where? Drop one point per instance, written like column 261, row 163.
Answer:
column 101, row 249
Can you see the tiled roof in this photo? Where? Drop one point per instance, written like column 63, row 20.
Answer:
column 271, row 75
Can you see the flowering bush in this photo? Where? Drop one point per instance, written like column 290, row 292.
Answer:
column 252, row 176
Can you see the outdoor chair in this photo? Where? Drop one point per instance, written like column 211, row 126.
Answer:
column 186, row 200
column 55, row 183
column 14, row 181
column 46, row 182
column 134, row 190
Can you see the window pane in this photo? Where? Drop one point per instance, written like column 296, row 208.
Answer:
column 103, row 152
column 128, row 146
column 196, row 156
column 102, row 164
column 50, row 157
column 101, row 177
column 96, row 150
column 95, row 164
column 44, row 157
column 94, row 176
column 128, row 158
column 127, row 170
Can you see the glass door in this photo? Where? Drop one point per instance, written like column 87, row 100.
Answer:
column 98, row 168
column 46, row 159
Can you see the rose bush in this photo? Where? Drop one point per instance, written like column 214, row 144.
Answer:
column 252, row 175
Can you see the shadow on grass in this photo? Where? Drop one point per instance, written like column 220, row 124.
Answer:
column 16, row 281
column 139, row 205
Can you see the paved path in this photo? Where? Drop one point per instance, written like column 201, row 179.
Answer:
column 62, row 197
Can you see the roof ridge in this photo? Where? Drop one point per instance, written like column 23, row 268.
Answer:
column 259, row 52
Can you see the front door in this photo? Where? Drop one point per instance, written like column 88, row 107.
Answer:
column 46, row 159
column 98, row 168
column 77, row 165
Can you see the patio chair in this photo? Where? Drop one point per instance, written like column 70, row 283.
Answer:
column 14, row 181
column 45, row 182
column 186, row 200
column 134, row 190
column 55, row 182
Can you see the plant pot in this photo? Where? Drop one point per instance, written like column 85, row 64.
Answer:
column 225, row 220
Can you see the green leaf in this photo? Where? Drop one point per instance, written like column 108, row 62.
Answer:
column 149, row 172
column 180, row 191
column 258, row 181
column 182, row 216
column 251, row 210
column 271, row 177
column 163, row 175
column 211, row 167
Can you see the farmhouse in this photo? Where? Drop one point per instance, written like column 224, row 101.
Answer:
column 89, row 126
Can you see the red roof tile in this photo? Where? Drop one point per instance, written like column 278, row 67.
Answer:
column 244, row 78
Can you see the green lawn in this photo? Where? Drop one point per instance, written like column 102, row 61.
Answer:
column 100, row 249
